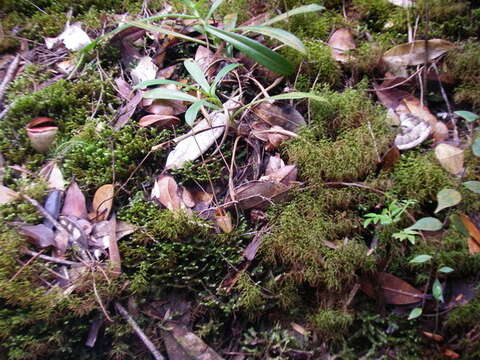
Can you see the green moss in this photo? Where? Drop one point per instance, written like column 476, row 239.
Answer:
column 250, row 298
column 465, row 316
column 374, row 13
column 331, row 324
column 70, row 103
column 419, row 177
column 174, row 249
column 117, row 152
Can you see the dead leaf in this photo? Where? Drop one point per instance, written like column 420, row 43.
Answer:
column 450, row 157
column 165, row 190
column 474, row 232
column 145, row 70
column 450, row 354
column 123, row 229
column 299, row 328
column 252, row 248
column 41, row 235
column 7, row 195
column 415, row 53
column 73, row 37
column 433, row 336
column 260, row 194
column 103, row 202
column 113, row 250
column 415, row 106
column 284, row 116
column 440, row 131
column 414, row 131
column 191, row 343
column 159, row 109
column 391, row 157
column 274, row 163
column 285, row 175
column 341, row 42
column 202, row 136
column 204, row 58
column 394, row 290
column 123, row 88
column 126, row 111
column 390, row 98
column 52, row 174
column 52, row 206
column 161, row 121
column 75, row 203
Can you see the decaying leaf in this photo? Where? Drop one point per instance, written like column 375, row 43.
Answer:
column 41, row 235
column 161, row 121
column 191, row 343
column 75, row 203
column 166, row 191
column 447, row 198
column 223, row 220
column 474, row 239
column 103, row 201
column 433, row 336
column 7, row 195
column 341, row 42
column 394, row 290
column 286, row 175
column 145, row 70
column 391, row 157
column 450, row 157
column 126, row 111
column 73, row 37
column 205, row 58
column 274, row 164
column 284, row 116
column 414, row 131
column 260, row 194
column 415, row 53
column 52, row 174
column 202, row 136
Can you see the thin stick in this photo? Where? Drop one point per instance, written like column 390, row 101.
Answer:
column 100, row 300
column 148, row 343
column 25, row 265
column 12, row 68
column 49, row 258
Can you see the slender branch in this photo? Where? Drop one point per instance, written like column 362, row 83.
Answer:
column 148, row 343
column 12, row 68
column 49, row 258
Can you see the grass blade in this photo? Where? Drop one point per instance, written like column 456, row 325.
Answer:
column 161, row 30
column 197, row 74
column 278, row 34
column 213, row 8
column 192, row 112
column 147, row 83
column 256, row 51
column 296, row 11
column 220, row 75
column 169, row 94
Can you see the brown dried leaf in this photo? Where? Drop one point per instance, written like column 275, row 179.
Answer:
column 252, row 248
column 284, row 116
column 124, row 89
column 415, row 106
column 127, row 110
column 41, row 235
column 103, row 201
column 165, row 190
column 394, row 290
column 415, row 53
column 391, row 157
column 390, row 98
column 7, row 195
column 433, row 336
column 223, row 220
column 341, row 42
column 204, row 58
column 52, row 174
column 260, row 194
column 285, row 175
column 474, row 239
column 159, row 109
column 75, row 203
column 161, row 121
column 191, row 343
column 450, row 157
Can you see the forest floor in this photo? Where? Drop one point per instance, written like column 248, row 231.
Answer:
column 281, row 179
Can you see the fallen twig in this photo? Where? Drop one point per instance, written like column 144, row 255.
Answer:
column 49, row 258
column 12, row 68
column 148, row 343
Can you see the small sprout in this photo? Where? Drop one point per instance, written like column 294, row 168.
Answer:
column 445, row 270
column 415, row 313
column 420, row 259
column 406, row 234
column 437, row 290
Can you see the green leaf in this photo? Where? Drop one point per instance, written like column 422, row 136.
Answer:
column 467, row 115
column 220, row 75
column 147, row 83
column 299, row 10
column 476, row 147
column 256, row 51
column 214, row 8
column 473, row 186
column 161, row 30
column 415, row 313
column 168, row 94
column 426, row 224
column 192, row 112
column 420, row 259
column 437, row 290
column 283, row 36
column 197, row 74
column 445, row 269
column 447, row 198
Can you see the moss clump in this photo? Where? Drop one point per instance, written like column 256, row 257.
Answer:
column 300, row 237
column 250, row 295
column 464, row 317
column 174, row 249
column 419, row 177
column 116, row 152
column 69, row 103
column 464, row 64
column 375, row 13
column 331, row 324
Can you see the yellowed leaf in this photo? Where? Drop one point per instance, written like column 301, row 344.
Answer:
column 103, row 201
column 450, row 157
